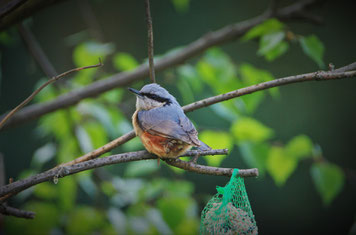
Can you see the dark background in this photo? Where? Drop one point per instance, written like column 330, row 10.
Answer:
column 325, row 111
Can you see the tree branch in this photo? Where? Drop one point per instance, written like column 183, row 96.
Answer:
column 83, row 163
column 317, row 76
column 13, row 11
column 150, row 42
column 209, row 170
column 26, row 101
column 36, row 51
column 7, row 210
column 218, row 37
column 346, row 68
column 60, row 172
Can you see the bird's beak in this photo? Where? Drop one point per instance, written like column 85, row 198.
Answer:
column 136, row 92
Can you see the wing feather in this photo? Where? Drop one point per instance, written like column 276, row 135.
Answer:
column 169, row 121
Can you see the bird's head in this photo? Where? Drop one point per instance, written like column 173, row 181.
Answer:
column 152, row 96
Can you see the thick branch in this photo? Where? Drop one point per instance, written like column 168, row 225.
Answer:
column 95, row 163
column 13, row 11
column 218, row 37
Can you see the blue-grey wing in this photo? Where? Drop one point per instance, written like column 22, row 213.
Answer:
column 170, row 122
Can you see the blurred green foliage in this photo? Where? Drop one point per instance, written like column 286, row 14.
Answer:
column 134, row 200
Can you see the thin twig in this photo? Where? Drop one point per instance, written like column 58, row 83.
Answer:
column 103, row 149
column 36, row 50
column 223, row 35
column 60, row 172
column 150, row 41
column 346, row 68
column 7, row 210
column 316, row 76
column 2, row 171
column 12, row 112
column 209, row 170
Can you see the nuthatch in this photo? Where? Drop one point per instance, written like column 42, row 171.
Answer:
column 161, row 124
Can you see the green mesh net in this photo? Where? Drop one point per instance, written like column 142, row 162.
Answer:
column 229, row 211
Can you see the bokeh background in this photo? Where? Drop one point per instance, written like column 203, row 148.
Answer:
column 325, row 112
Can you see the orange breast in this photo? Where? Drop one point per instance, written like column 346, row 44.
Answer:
column 154, row 144
column 163, row 147
column 158, row 145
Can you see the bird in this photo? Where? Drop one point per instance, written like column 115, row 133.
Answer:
column 161, row 124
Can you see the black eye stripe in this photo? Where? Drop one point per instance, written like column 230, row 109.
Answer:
column 155, row 97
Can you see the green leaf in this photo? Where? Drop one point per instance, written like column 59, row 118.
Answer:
column 48, row 93
column 188, row 227
column 266, row 27
column 133, row 145
column 47, row 217
column 216, row 140
column 56, row 124
column 88, row 53
column 251, row 75
column 328, row 179
column 46, row 191
column 186, row 91
column 5, row 38
column 67, row 192
column 299, row 147
column 67, row 150
column 109, row 117
column 269, row 41
column 179, row 188
column 83, row 139
column 91, row 135
column 280, row 165
column 276, row 52
column 43, row 155
column 255, row 155
column 176, row 169
column 181, row 5
column 114, row 96
column 108, row 188
column 141, row 168
column 159, row 225
column 217, row 70
column 174, row 209
column 249, row 129
column 313, row 48
column 188, row 73
column 87, row 183
column 84, row 220
column 124, row 62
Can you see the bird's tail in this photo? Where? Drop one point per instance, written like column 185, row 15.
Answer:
column 203, row 146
